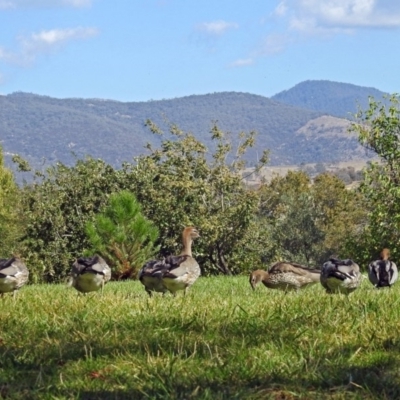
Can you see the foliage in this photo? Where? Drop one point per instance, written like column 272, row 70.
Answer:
column 379, row 131
column 309, row 221
column 342, row 216
column 57, row 208
column 182, row 184
column 122, row 235
column 11, row 223
column 222, row 341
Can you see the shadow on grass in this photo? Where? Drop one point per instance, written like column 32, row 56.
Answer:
column 380, row 379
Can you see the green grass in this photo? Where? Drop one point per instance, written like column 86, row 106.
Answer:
column 222, row 341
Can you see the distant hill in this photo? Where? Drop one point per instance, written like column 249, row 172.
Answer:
column 333, row 98
column 45, row 130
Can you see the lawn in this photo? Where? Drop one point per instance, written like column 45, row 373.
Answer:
column 221, row 341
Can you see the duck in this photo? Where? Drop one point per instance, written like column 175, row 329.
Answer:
column 175, row 272
column 152, row 272
column 13, row 275
column 340, row 276
column 284, row 275
column 383, row 272
column 90, row 274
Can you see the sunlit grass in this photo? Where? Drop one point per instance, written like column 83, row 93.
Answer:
column 221, row 341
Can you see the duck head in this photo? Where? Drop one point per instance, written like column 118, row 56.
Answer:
column 256, row 277
column 385, row 254
column 191, row 231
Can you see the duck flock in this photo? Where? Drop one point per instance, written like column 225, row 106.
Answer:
column 180, row 272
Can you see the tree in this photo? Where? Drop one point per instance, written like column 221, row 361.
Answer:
column 288, row 209
column 342, row 215
column 57, row 208
column 378, row 130
column 11, row 224
column 181, row 183
column 309, row 221
column 122, row 235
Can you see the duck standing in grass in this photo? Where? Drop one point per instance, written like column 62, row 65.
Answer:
column 151, row 274
column 172, row 273
column 340, row 276
column 285, row 276
column 383, row 272
column 90, row 274
column 13, row 275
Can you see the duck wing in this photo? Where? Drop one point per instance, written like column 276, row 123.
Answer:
column 298, row 269
column 12, row 267
column 6, row 262
column 7, row 268
column 340, row 269
column 93, row 264
column 178, row 266
column 382, row 273
column 152, row 268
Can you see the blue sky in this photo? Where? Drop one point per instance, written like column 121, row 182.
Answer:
column 138, row 50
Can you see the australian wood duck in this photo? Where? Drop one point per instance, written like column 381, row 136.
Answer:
column 152, row 273
column 172, row 273
column 13, row 275
column 90, row 274
column 340, row 276
column 285, row 276
column 383, row 272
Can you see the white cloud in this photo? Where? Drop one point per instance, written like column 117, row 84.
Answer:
column 12, row 4
column 5, row 4
column 293, row 21
column 216, row 28
column 47, row 41
column 315, row 16
column 281, row 9
column 243, row 62
column 44, row 42
column 55, row 36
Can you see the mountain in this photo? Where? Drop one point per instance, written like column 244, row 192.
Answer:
column 333, row 98
column 45, row 130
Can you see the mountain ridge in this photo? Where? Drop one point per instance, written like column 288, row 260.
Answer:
column 39, row 127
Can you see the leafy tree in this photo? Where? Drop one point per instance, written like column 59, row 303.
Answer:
column 11, row 225
column 288, row 209
column 378, row 129
column 122, row 235
column 342, row 215
column 181, row 183
column 309, row 221
column 57, row 208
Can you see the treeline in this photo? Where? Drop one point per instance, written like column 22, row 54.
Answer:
column 53, row 220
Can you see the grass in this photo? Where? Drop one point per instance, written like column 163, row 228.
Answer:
column 222, row 341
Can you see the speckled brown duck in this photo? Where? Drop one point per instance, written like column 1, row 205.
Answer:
column 285, row 276
column 383, row 272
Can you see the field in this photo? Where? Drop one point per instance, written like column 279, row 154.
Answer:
column 221, row 341
column 269, row 172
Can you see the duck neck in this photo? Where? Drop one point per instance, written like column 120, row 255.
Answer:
column 264, row 275
column 385, row 255
column 187, row 245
